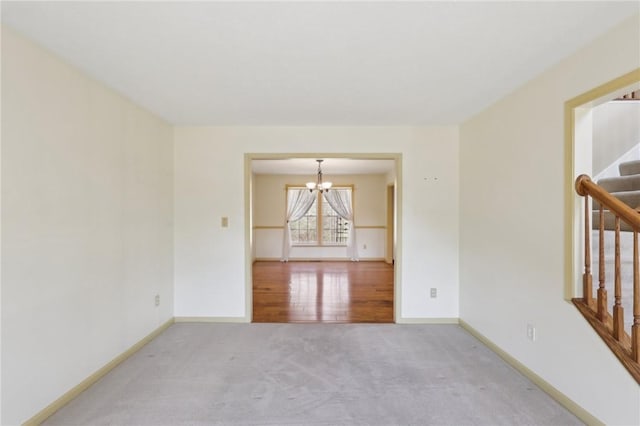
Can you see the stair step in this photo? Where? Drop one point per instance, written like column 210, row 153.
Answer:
column 621, row 183
column 630, row 198
column 629, row 168
column 609, row 222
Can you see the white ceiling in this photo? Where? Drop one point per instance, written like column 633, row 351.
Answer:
column 330, row 166
column 314, row 63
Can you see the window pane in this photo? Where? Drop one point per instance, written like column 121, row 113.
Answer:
column 335, row 229
column 304, row 230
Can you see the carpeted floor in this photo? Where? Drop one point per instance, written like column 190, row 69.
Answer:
column 314, row 374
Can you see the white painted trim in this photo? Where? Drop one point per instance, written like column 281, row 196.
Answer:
column 315, row 259
column 398, row 260
column 427, row 320
column 249, row 251
column 213, row 319
column 554, row 393
column 50, row 409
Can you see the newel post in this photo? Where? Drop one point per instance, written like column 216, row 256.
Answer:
column 587, row 278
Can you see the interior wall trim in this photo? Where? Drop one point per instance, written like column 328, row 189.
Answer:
column 357, row 227
column 426, row 320
column 554, row 393
column 315, row 259
column 212, row 319
column 249, row 234
column 50, row 409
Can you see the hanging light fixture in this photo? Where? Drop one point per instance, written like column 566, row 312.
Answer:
column 319, row 184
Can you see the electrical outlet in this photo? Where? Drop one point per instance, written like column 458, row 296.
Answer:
column 224, row 222
column 531, row 332
column 157, row 300
column 433, row 293
column 364, row 247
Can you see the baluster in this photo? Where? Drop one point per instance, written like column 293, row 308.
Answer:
column 602, row 291
column 586, row 277
column 618, row 312
column 635, row 328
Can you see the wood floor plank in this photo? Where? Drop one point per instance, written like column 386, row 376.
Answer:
column 323, row 292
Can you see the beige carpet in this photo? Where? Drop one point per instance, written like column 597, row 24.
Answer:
column 314, row 374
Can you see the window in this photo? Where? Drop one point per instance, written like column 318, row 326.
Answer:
column 321, row 225
column 305, row 230
column 335, row 229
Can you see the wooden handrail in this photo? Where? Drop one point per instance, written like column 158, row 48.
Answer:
column 633, row 96
column 585, row 186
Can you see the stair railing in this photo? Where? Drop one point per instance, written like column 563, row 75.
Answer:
column 610, row 326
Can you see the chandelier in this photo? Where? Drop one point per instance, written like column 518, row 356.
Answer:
column 319, row 185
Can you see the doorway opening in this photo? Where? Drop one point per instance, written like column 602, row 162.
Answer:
column 598, row 127
column 320, row 281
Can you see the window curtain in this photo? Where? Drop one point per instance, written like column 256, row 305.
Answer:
column 340, row 201
column 299, row 201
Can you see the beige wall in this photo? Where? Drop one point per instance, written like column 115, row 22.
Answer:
column 210, row 270
column 87, row 237
column 512, row 227
column 369, row 192
column 369, row 197
column 616, row 131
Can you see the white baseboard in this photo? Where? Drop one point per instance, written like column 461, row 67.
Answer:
column 315, row 259
column 50, row 409
column 554, row 393
column 212, row 319
column 427, row 321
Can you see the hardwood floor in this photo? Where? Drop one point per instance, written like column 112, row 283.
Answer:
column 322, row 292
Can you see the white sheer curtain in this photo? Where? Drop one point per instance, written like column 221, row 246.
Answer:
column 299, row 201
column 340, row 201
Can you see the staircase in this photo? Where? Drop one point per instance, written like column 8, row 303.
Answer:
column 612, row 262
column 626, row 188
